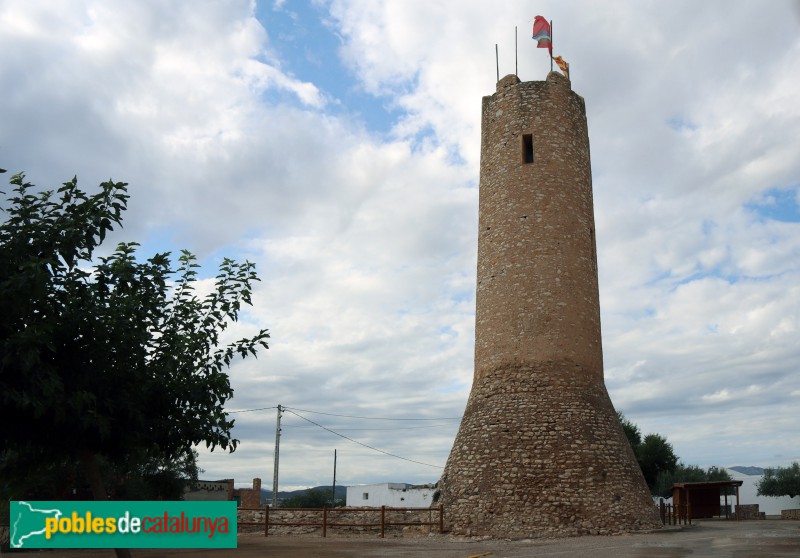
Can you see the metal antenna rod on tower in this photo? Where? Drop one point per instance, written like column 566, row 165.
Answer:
column 275, row 465
column 497, row 61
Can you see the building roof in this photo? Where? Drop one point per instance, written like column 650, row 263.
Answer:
column 708, row 484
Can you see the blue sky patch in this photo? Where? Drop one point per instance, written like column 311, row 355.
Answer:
column 778, row 204
column 309, row 50
column 681, row 124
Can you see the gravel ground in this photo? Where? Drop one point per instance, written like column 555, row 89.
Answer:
column 712, row 538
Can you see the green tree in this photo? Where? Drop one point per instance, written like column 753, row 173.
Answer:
column 311, row 499
column 655, row 455
column 660, row 465
column 632, row 432
column 107, row 360
column 155, row 477
column 142, row 477
column 687, row 473
column 780, row 481
column 715, row 473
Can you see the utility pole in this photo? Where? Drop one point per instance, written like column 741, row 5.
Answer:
column 333, row 497
column 277, row 453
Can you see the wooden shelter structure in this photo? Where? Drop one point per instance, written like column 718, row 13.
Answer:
column 701, row 499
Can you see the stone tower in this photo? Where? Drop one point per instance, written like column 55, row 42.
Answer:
column 540, row 451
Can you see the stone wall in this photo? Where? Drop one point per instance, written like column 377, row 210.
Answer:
column 537, row 291
column 358, row 520
column 251, row 497
column 209, row 490
column 540, row 451
column 749, row 511
column 790, row 514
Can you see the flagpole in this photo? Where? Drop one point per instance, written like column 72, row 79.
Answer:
column 516, row 63
column 551, row 45
column 497, row 61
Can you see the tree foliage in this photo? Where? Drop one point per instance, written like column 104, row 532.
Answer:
column 112, row 357
column 780, row 481
column 653, row 453
column 142, row 476
column 688, row 473
column 659, row 464
column 311, row 499
column 632, row 432
column 154, row 477
column 655, row 456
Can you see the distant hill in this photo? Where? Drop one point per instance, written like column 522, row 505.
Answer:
column 751, row 470
column 266, row 495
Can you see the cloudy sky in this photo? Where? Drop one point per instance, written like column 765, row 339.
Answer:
column 336, row 144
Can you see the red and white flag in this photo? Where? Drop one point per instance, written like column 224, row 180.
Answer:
column 541, row 33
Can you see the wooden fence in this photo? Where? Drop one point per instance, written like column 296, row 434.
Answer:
column 675, row 514
column 326, row 518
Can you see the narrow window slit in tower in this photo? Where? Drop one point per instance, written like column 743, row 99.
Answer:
column 527, row 148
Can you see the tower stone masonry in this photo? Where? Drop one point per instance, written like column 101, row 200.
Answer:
column 540, row 451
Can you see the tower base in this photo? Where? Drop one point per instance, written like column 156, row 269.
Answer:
column 540, row 453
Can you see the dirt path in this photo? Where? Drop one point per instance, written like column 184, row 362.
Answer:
column 746, row 539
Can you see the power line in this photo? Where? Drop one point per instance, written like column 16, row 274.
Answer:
column 398, row 428
column 360, row 443
column 340, row 415
column 368, row 418
column 251, row 410
column 293, row 426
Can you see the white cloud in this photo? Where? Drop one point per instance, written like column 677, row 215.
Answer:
column 722, row 395
column 366, row 243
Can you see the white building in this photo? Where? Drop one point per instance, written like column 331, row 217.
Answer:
column 390, row 494
column 770, row 505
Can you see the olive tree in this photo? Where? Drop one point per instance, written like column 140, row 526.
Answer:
column 780, row 481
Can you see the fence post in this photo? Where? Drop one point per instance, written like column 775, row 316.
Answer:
column 441, row 518
column 383, row 520
column 324, row 521
column 689, row 511
column 266, row 521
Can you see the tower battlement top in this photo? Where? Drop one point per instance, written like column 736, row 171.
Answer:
column 511, row 80
column 508, row 81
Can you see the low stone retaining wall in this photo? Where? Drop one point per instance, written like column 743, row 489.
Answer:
column 250, row 520
column 749, row 511
column 790, row 514
column 303, row 521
